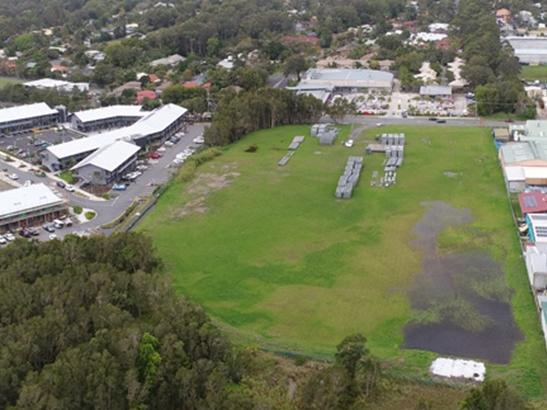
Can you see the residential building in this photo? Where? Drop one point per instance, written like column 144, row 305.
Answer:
column 144, row 95
column 26, row 117
column 170, row 61
column 108, row 163
column 113, row 116
column 28, row 206
column 533, row 202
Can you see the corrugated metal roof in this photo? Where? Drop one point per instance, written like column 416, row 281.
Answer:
column 24, row 112
column 16, row 201
column 110, row 157
column 111, row 111
column 435, row 90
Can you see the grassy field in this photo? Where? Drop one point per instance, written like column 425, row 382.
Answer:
column 278, row 261
column 534, row 72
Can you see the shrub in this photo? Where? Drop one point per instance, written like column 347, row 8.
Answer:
column 77, row 210
column 90, row 215
column 251, row 148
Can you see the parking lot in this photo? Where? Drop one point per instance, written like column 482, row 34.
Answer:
column 27, row 145
column 153, row 172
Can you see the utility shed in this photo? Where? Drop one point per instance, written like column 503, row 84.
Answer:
column 458, row 369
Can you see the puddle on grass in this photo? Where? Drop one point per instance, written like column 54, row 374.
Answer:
column 461, row 302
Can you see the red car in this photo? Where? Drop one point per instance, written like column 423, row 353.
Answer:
column 154, row 155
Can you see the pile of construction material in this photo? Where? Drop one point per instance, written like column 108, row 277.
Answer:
column 350, row 178
column 295, row 143
column 326, row 133
column 394, row 148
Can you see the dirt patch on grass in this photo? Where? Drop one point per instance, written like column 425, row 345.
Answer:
column 203, row 185
column 461, row 301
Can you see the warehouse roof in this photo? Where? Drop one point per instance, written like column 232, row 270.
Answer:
column 435, row 90
column 110, row 157
column 154, row 122
column 25, row 199
column 345, row 74
column 57, row 84
column 534, row 130
column 111, row 111
column 24, row 112
column 524, row 151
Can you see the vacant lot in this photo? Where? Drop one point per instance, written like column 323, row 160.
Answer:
column 277, row 260
column 534, row 72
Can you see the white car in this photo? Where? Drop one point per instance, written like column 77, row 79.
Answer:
column 379, row 124
column 349, row 143
column 9, row 236
column 169, row 144
column 69, row 188
column 52, row 236
column 199, row 140
column 13, row 176
column 3, row 240
column 161, row 149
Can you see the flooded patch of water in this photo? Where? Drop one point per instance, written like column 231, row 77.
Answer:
column 461, row 302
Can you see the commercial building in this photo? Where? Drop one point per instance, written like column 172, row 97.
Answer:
column 435, row 91
column 529, row 50
column 59, row 85
column 114, row 116
column 26, row 117
column 532, row 130
column 537, row 229
column 28, row 206
column 157, row 125
column 108, row 163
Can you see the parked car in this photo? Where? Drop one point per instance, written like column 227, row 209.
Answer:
column 70, row 188
column 52, row 236
column 119, row 187
column 61, row 184
column 154, row 155
column 58, row 224
column 142, row 167
column 432, row 118
column 48, row 228
column 349, row 143
column 13, row 176
column 441, row 121
column 33, row 231
column 199, row 140
column 25, row 233
column 3, row 240
column 161, row 149
column 9, row 236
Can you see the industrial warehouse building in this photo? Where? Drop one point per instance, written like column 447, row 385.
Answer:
column 532, row 130
column 28, row 206
column 157, row 125
column 108, row 163
column 524, row 164
column 114, row 116
column 529, row 50
column 322, row 82
column 26, row 117
column 435, row 91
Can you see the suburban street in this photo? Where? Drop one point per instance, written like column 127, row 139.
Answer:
column 158, row 173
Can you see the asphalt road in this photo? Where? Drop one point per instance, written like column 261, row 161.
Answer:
column 158, row 173
column 459, row 122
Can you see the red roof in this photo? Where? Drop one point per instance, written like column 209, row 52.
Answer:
column 145, row 94
column 533, row 202
column 190, row 84
column 153, row 78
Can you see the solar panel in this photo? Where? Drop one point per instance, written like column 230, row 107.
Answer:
column 530, row 201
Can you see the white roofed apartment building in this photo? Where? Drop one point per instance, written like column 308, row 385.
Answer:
column 108, row 163
column 156, row 125
column 114, row 116
column 26, row 117
column 28, row 206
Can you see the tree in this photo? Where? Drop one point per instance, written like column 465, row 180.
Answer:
column 295, row 64
column 339, row 108
column 493, row 395
column 350, row 351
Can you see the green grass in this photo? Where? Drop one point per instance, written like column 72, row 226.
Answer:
column 8, row 80
column 534, row 72
column 278, row 261
column 68, row 177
